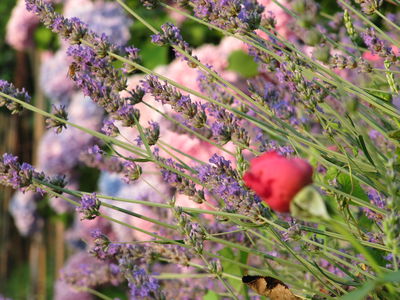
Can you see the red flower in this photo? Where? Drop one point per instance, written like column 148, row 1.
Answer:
column 277, row 179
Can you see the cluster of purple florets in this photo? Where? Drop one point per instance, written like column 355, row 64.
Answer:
column 89, row 206
column 18, row 176
column 234, row 16
column 12, row 91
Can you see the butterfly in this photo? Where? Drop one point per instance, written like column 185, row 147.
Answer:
column 269, row 287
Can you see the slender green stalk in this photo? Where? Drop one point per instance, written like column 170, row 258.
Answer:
column 137, row 16
column 136, row 150
column 189, row 130
column 217, row 213
column 370, row 23
column 225, row 284
column 94, row 292
column 274, row 132
column 133, row 214
column 223, row 83
column 357, row 245
column 164, row 276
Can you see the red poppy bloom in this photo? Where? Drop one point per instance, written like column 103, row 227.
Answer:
column 277, row 179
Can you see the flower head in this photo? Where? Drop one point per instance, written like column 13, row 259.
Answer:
column 89, row 207
column 277, row 179
column 12, row 91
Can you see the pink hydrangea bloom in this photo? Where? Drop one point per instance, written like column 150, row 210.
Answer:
column 176, row 16
column 157, row 192
column 214, row 55
column 20, row 27
column 192, row 146
column 282, row 18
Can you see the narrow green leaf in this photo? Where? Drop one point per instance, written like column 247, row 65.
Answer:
column 360, row 293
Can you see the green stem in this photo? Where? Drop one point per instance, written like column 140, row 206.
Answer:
column 358, row 246
column 188, row 129
column 141, row 20
column 94, row 292
column 226, row 285
column 223, row 83
column 226, row 214
column 136, row 150
column 370, row 23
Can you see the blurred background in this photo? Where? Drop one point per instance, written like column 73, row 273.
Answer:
column 39, row 237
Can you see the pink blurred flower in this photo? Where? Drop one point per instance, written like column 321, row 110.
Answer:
column 177, row 17
column 282, row 18
column 141, row 190
column 64, row 291
column 20, row 27
column 214, row 55
column 192, row 146
column 375, row 57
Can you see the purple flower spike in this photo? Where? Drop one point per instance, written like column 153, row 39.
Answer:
column 89, row 206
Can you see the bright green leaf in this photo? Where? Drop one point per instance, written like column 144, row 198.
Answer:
column 351, row 187
column 153, row 56
column 230, row 267
column 211, row 295
column 242, row 63
column 308, row 205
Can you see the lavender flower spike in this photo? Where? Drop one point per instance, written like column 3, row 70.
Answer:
column 16, row 175
column 171, row 35
column 61, row 113
column 142, row 285
column 233, row 16
column 89, row 207
column 377, row 46
column 11, row 90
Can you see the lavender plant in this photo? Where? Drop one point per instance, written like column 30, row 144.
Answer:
column 185, row 180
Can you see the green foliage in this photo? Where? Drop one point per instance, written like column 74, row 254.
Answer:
column 243, row 64
column 197, row 35
column 211, row 295
column 114, row 292
column 369, row 287
column 351, row 186
column 18, row 282
column 89, row 177
column 153, row 56
column 308, row 205
column 230, row 267
column 45, row 39
column 7, row 56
